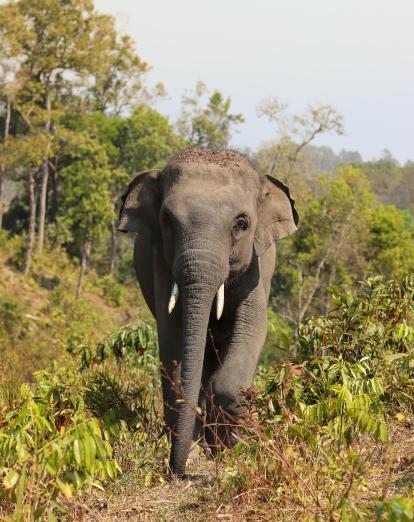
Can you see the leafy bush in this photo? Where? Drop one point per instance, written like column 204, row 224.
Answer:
column 354, row 366
column 12, row 319
column 74, row 428
column 132, row 342
column 396, row 510
column 112, row 291
column 50, row 448
column 304, row 444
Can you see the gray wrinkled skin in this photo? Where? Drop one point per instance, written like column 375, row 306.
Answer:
column 206, row 219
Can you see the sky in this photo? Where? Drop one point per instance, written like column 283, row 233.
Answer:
column 357, row 55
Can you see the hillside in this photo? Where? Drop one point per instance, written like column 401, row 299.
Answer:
column 329, row 442
column 40, row 318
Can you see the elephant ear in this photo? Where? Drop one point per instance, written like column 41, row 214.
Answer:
column 141, row 204
column 277, row 216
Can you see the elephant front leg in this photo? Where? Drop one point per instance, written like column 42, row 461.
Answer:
column 226, row 402
column 169, row 341
column 211, row 364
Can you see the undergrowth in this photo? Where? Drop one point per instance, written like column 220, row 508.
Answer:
column 315, row 432
column 326, row 436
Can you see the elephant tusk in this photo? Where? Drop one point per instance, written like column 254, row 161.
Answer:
column 173, row 298
column 220, row 301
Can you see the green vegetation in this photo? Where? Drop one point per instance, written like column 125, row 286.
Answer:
column 328, row 432
column 309, row 445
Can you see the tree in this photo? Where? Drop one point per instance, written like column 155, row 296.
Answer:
column 328, row 247
column 402, row 195
column 208, row 126
column 116, row 83
column 23, row 154
column 321, row 158
column 3, row 148
column 86, row 207
column 65, row 50
column 141, row 141
column 294, row 132
column 385, row 176
column 147, row 140
column 390, row 245
column 11, row 82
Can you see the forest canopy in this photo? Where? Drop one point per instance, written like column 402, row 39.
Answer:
column 78, row 119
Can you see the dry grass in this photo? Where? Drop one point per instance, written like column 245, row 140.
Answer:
column 298, row 487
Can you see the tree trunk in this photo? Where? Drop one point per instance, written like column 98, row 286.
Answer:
column 1, row 196
column 42, row 206
column 86, row 250
column 114, row 237
column 2, row 169
column 304, row 308
column 331, row 279
column 43, row 188
column 54, row 202
column 332, row 250
column 32, row 223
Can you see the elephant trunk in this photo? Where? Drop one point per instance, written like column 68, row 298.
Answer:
column 200, row 276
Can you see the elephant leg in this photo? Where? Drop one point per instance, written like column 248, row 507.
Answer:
column 169, row 341
column 236, row 371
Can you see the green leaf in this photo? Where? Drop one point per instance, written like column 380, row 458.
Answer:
column 66, row 488
column 77, row 451
column 11, row 479
column 20, row 490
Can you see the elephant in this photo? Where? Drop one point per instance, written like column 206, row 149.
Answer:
column 204, row 254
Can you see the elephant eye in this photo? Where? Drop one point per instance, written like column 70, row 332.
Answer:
column 241, row 223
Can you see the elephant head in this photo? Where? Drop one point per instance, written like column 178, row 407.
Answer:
column 207, row 213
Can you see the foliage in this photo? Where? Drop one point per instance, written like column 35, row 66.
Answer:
column 343, row 237
column 325, row 245
column 65, row 433
column 396, row 510
column 148, row 140
column 59, row 59
column 356, row 364
column 50, row 449
column 304, row 446
column 87, row 203
column 391, row 242
column 287, row 154
column 210, row 126
column 136, row 342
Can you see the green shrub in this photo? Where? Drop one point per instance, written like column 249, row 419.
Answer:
column 279, row 334
column 354, row 366
column 13, row 322
column 137, row 343
column 50, row 448
column 304, row 446
column 112, row 291
column 396, row 509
